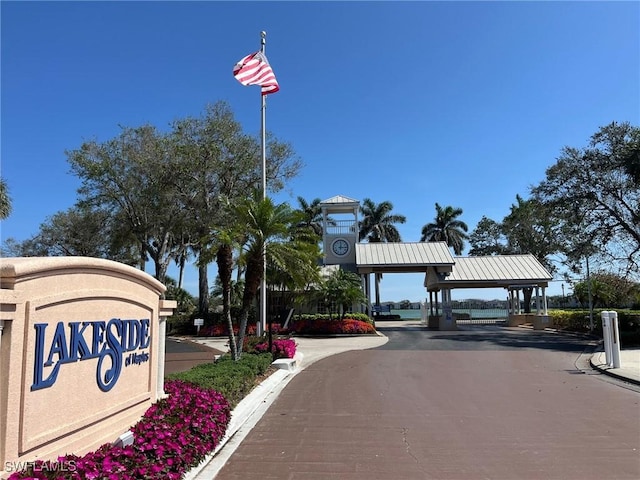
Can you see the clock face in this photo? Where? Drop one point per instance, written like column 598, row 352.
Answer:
column 340, row 247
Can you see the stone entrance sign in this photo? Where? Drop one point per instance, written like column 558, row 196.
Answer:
column 81, row 354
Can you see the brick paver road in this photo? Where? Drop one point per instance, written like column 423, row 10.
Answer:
column 481, row 403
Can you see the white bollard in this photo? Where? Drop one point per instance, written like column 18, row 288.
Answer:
column 615, row 339
column 606, row 335
column 423, row 313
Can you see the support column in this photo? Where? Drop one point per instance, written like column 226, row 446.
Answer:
column 365, row 290
column 166, row 309
column 1, row 329
column 541, row 319
column 430, row 303
column 162, row 344
column 447, row 320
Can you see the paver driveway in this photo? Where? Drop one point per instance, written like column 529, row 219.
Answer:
column 479, row 403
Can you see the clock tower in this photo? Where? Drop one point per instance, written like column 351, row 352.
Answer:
column 340, row 230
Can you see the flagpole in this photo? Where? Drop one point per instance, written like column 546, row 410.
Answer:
column 263, row 286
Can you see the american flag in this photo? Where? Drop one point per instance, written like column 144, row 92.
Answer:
column 254, row 69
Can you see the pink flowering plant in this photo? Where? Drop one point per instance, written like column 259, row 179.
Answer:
column 174, row 435
column 221, row 330
column 281, row 348
column 321, row 326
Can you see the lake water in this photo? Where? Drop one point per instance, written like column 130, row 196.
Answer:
column 474, row 312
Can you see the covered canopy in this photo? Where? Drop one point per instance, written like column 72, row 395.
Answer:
column 499, row 271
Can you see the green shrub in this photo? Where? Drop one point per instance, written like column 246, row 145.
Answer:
column 258, row 363
column 363, row 317
column 575, row 320
column 180, row 324
column 234, row 380
column 578, row 321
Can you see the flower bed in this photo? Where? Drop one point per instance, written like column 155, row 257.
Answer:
column 321, row 326
column 280, row 348
column 173, row 436
column 221, row 330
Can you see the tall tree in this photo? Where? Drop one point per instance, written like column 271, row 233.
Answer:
column 224, row 259
column 82, row 231
column 223, row 239
column 527, row 229
column 5, row 200
column 594, row 193
column 487, row 238
column 216, row 162
column 530, row 229
column 284, row 276
column 446, row 228
column 311, row 215
column 131, row 176
column 608, row 290
column 632, row 163
column 378, row 223
column 270, row 228
column 212, row 157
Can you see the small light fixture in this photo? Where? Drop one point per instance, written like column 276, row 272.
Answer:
column 124, row 440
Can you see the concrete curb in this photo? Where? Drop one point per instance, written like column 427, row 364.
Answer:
column 597, row 362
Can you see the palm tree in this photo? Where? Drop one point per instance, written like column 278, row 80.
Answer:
column 446, row 228
column 235, row 288
column 219, row 246
column 377, row 225
column 224, row 259
column 312, row 215
column 270, row 230
column 5, row 200
column 342, row 289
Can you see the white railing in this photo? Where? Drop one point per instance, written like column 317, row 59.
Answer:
column 474, row 313
column 341, row 227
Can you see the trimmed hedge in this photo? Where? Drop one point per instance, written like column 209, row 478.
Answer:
column 363, row 317
column 322, row 326
column 578, row 321
column 234, row 380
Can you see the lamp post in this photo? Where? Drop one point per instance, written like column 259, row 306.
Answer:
column 590, row 297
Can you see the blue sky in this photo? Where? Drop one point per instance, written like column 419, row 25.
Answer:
column 460, row 103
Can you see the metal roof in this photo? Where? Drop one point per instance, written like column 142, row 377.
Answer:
column 340, row 199
column 403, row 257
column 492, row 271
